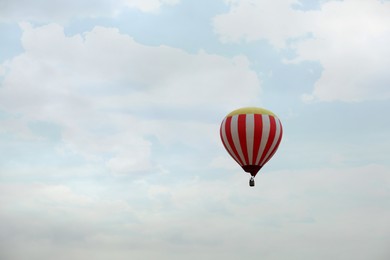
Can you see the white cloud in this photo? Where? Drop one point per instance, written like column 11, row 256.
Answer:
column 101, row 87
column 63, row 11
column 352, row 47
column 260, row 19
column 149, row 5
column 319, row 213
column 349, row 38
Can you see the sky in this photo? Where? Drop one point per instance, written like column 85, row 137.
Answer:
column 109, row 129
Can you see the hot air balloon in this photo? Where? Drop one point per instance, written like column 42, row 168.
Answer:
column 251, row 135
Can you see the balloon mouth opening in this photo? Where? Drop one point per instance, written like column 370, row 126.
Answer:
column 252, row 169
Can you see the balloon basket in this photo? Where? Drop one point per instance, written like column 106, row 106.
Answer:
column 252, row 182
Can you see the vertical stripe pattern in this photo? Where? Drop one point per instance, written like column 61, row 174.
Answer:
column 251, row 139
column 227, row 142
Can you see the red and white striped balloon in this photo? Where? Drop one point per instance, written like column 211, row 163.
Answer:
column 251, row 136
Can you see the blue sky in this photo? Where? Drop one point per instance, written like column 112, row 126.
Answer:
column 109, row 129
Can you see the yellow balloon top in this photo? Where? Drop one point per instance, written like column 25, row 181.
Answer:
column 251, row 110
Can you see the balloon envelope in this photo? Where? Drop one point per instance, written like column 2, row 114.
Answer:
column 251, row 136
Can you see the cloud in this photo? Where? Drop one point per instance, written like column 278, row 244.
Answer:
column 317, row 213
column 260, row 19
column 349, row 39
column 108, row 93
column 63, row 11
column 149, row 5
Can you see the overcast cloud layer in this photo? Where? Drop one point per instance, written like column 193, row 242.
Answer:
column 109, row 129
